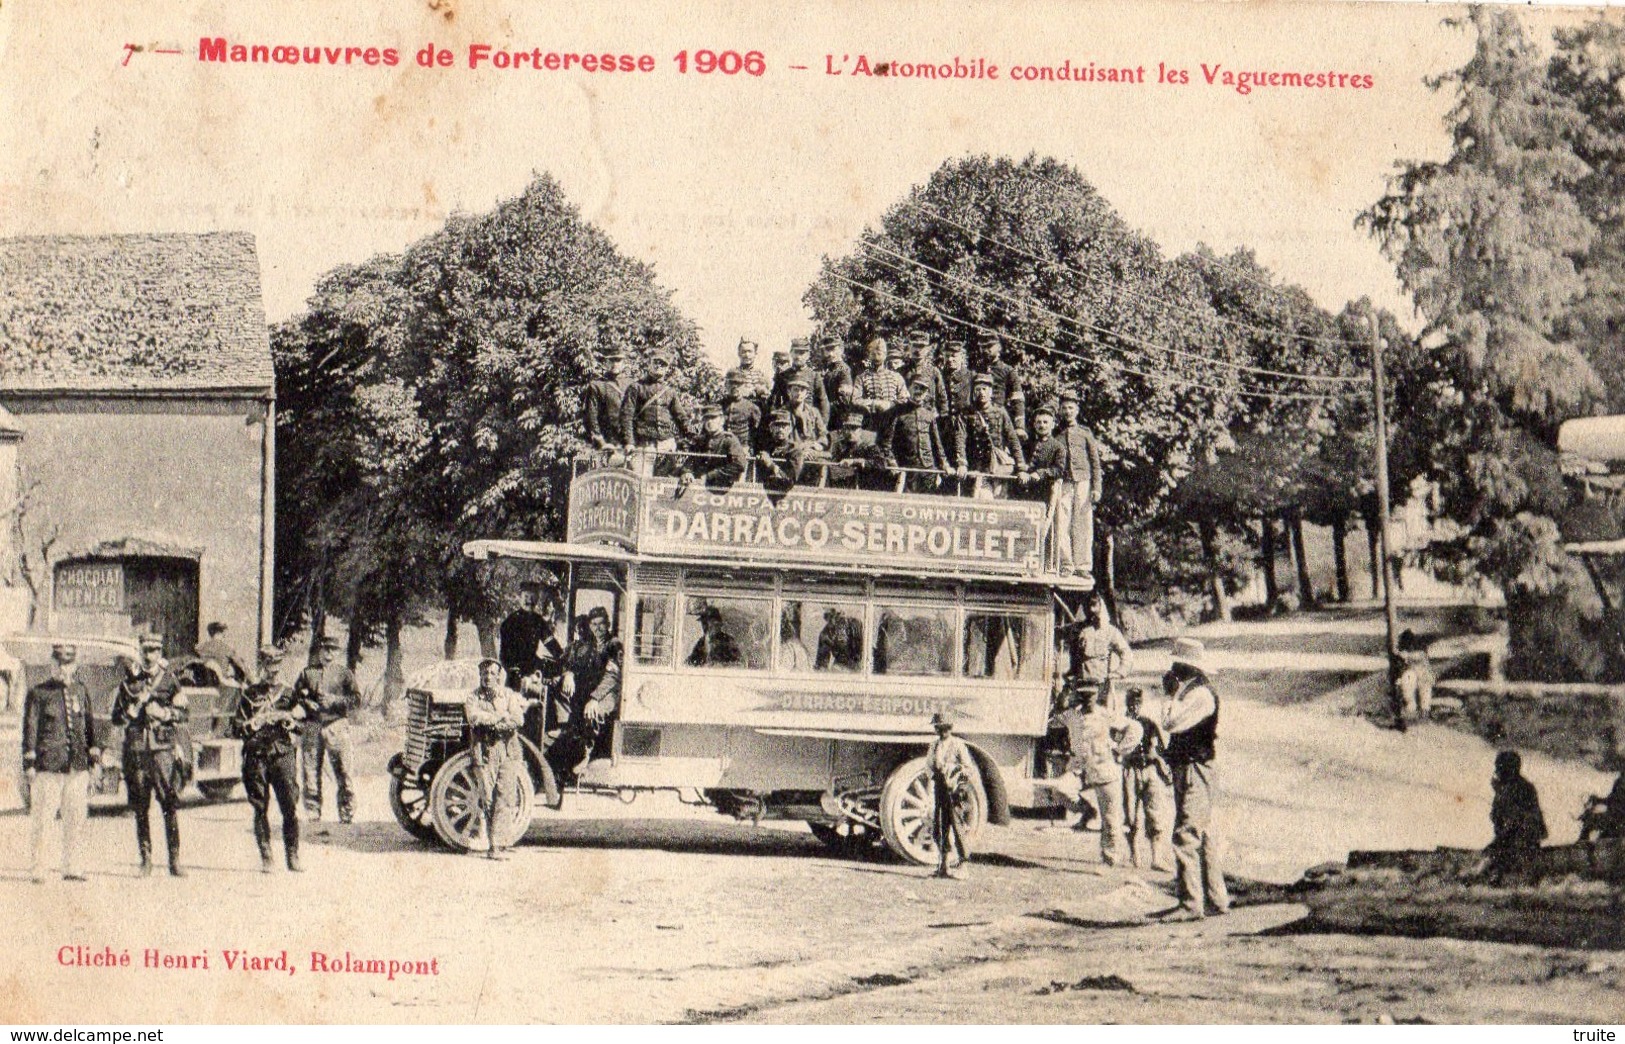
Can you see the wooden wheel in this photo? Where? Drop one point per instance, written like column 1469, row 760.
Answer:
column 454, row 806
column 905, row 812
column 409, row 800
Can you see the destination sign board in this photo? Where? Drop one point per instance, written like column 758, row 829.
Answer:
column 604, row 509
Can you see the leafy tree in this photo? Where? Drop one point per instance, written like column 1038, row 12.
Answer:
column 1486, row 242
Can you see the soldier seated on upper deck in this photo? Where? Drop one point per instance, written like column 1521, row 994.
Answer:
column 859, row 459
column 784, row 458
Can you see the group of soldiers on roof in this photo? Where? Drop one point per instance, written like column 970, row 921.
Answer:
column 896, row 422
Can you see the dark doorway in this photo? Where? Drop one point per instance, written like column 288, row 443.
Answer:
column 162, row 595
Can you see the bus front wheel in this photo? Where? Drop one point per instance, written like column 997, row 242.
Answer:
column 905, row 812
column 454, row 806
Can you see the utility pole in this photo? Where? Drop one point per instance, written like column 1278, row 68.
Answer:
column 1388, row 606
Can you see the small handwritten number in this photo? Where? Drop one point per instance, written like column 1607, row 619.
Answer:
column 728, row 63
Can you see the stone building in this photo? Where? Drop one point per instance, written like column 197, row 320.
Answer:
column 137, row 420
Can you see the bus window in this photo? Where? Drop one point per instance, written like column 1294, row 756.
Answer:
column 914, row 640
column 818, row 635
column 723, row 631
column 651, row 630
column 1003, row 645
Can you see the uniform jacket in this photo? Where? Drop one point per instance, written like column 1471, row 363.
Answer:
column 808, row 424
column 755, row 384
column 916, row 441
column 879, row 390
column 724, row 462
column 959, row 384
column 274, row 735
column 937, row 386
column 138, row 694
column 602, row 412
column 1048, row 462
column 743, row 420
column 1094, row 648
column 989, row 430
column 1007, row 392
column 1082, row 455
column 650, row 414
column 835, row 374
column 59, row 727
column 331, row 690
column 1098, row 741
column 597, row 672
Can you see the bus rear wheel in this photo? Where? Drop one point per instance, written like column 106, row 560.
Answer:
column 906, row 807
column 454, row 806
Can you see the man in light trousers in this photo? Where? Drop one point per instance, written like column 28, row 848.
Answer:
column 59, row 749
column 1189, row 732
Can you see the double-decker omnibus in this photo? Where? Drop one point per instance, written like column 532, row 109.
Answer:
column 783, row 654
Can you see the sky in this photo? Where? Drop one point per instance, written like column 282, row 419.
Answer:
column 732, row 187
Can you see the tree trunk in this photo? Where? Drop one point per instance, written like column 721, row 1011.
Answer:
column 1340, row 556
column 1109, row 573
column 449, row 646
column 352, row 643
column 1266, row 548
column 1306, row 587
column 394, row 670
column 486, row 626
column 1374, row 552
column 1210, row 556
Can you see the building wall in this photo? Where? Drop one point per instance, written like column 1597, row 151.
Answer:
column 183, row 473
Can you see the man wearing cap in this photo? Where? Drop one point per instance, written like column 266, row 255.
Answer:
column 651, row 418
column 921, row 366
column 1007, row 389
column 268, row 719
column 601, row 405
column 836, row 377
column 783, row 457
column 527, row 642
column 1100, row 653
column 1099, row 740
column 592, row 682
column 752, row 382
column 331, row 690
column 59, row 750
column 805, row 418
column 952, row 776
column 1046, row 460
column 495, row 714
column 1080, row 491
column 992, row 446
column 916, row 441
column 877, row 389
column 1189, row 733
column 221, row 656
column 742, row 414
column 859, row 460
column 721, row 459
column 1147, row 784
column 801, row 368
column 958, row 380
column 152, row 711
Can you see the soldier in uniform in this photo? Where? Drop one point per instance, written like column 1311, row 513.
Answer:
column 859, row 461
column 1147, row 785
column 601, row 406
column 652, row 420
column 268, row 719
column 958, row 379
column 1080, row 491
column 992, row 445
column 836, row 377
column 1099, row 740
column 916, row 440
column 783, row 458
column 952, row 772
column 59, row 749
column 805, row 417
column 723, row 457
column 527, row 643
column 331, row 693
column 153, row 711
column 495, row 714
column 801, row 368
column 1046, row 460
column 752, row 382
column 742, row 414
column 1007, row 390
column 922, row 366
column 877, row 389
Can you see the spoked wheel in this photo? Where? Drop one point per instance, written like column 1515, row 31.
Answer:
column 845, row 838
column 905, row 812
column 409, row 800
column 454, row 806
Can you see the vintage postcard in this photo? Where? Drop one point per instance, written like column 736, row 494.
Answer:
column 935, row 512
